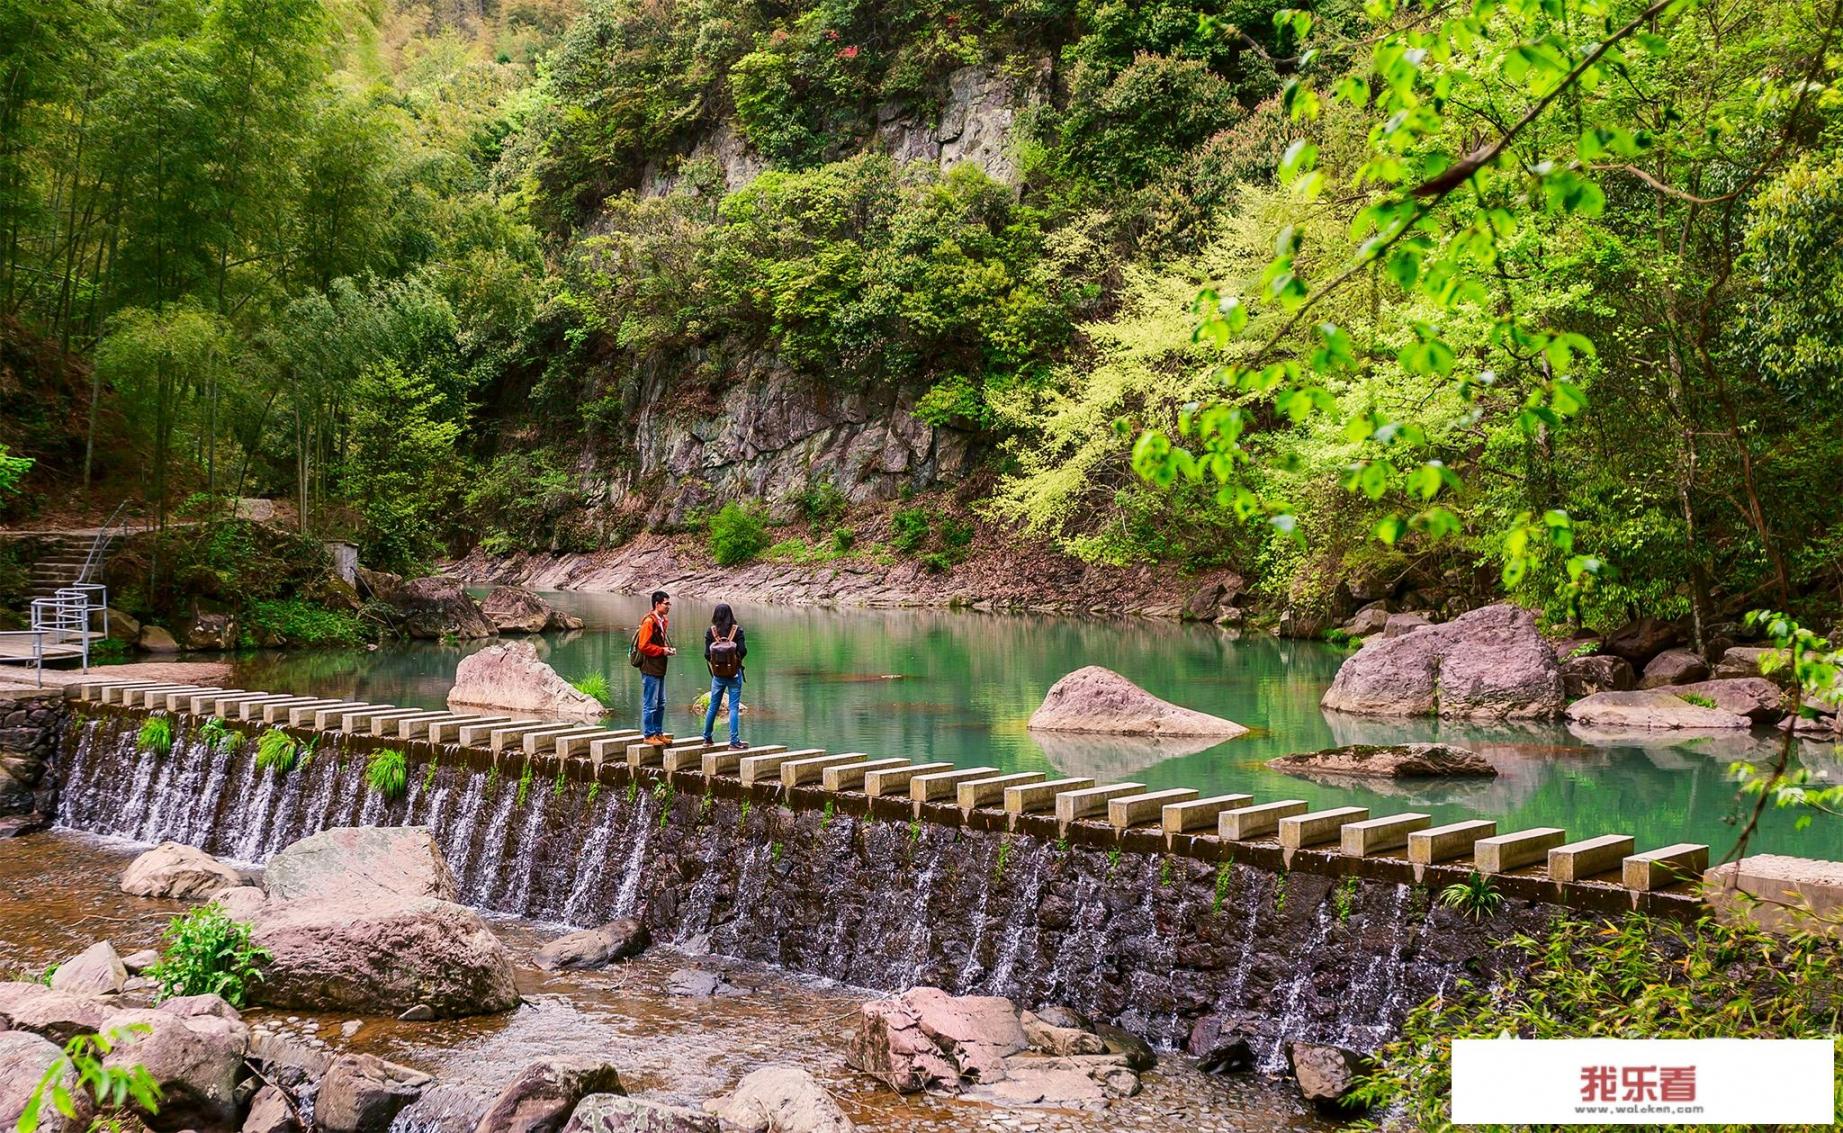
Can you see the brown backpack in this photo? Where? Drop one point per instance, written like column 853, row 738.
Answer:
column 725, row 658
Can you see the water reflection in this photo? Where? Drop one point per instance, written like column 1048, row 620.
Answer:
column 959, row 686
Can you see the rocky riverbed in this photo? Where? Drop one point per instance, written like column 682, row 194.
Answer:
column 59, row 894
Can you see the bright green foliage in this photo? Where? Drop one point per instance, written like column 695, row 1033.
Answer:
column 1696, row 699
column 1635, row 978
column 526, row 500
column 13, row 469
column 908, row 528
column 205, row 952
column 301, row 622
column 1476, row 896
column 737, row 533
column 277, row 751
column 1794, row 313
column 219, row 736
column 525, row 779
column 156, row 735
column 594, row 685
column 109, row 1087
column 387, row 773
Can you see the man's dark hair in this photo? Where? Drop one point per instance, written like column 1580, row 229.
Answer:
column 659, row 596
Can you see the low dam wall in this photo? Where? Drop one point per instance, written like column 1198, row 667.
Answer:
column 1168, row 934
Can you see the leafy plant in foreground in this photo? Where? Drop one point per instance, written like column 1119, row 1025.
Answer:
column 208, row 953
column 387, row 773
column 1476, row 897
column 277, row 751
column 109, row 1087
column 592, row 685
column 156, row 735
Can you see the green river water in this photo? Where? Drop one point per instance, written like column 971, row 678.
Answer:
column 958, row 686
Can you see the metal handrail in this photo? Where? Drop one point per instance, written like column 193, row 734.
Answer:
column 92, row 562
column 37, row 658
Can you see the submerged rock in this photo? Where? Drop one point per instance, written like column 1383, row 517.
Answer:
column 594, row 947
column 1388, row 761
column 544, row 1095
column 174, row 869
column 358, row 862
column 362, row 1093
column 1650, row 709
column 383, row 956
column 1095, row 699
column 1489, row 664
column 97, row 970
column 444, row 1108
column 511, row 676
column 24, row 1060
column 513, row 609
column 780, row 1099
column 615, row 1113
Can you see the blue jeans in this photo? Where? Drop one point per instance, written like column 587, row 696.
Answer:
column 652, row 705
column 719, row 686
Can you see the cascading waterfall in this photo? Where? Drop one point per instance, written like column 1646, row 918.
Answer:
column 1147, row 939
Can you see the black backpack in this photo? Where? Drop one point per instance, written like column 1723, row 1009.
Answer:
column 725, row 658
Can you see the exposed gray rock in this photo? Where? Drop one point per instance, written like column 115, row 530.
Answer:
column 437, row 607
column 24, row 1060
column 1388, row 761
column 444, row 1107
column 241, row 903
column 194, row 1058
column 1406, row 622
column 1673, row 667
column 512, row 677
column 56, row 1015
column 97, row 970
column 348, row 863
column 1487, row 664
column 925, row 1038
column 1756, row 698
column 594, row 947
column 513, row 609
column 1085, row 1082
column 382, row 957
column 544, row 1094
column 270, row 1112
column 1601, row 672
column 1053, row 1039
column 1642, row 709
column 138, row 962
column 362, row 1093
column 157, row 640
column 174, row 869
column 1745, row 661
column 614, row 1113
column 780, row 1099
column 1373, row 618
column 1639, row 641
column 207, row 631
column 1326, row 1074
column 1094, row 699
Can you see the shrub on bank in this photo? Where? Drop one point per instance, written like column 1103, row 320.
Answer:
column 737, row 534
column 208, row 953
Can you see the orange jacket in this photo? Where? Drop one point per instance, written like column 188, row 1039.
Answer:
column 653, row 638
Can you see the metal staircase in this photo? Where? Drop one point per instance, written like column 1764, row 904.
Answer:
column 65, row 621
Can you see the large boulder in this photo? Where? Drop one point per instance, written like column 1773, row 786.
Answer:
column 362, row 1093
column 195, row 1059
column 1488, row 664
column 513, row 609
column 544, row 1094
column 208, row 631
column 594, row 947
column 1646, row 709
column 383, row 956
column 926, row 1038
column 1373, row 618
column 1673, row 667
column 360, row 862
column 510, row 676
column 615, row 1113
column 1095, row 699
column 379, row 585
column 270, row 1112
column 1640, row 640
column 1601, row 672
column 1326, row 1074
column 437, row 607
column 1406, row 622
column 24, row 1060
column 241, row 902
column 155, row 639
column 1745, row 661
column 780, row 1099
column 1756, row 698
column 1387, row 761
column 97, row 970
column 57, row 1015
column 174, row 869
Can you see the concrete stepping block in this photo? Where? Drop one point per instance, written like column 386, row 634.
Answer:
column 448, row 731
column 798, row 772
column 236, row 706
column 182, row 701
column 1244, row 824
column 1444, row 843
column 1578, row 861
column 276, row 711
column 935, row 785
column 98, row 690
column 129, row 695
column 1506, row 852
column 975, row 793
column 690, row 756
column 144, row 697
column 328, row 719
column 852, row 776
column 1318, row 827
column 115, row 692
column 304, row 715
column 1374, row 835
column 1085, row 801
column 894, row 781
column 763, row 764
column 471, row 735
column 513, row 735
column 417, row 727
column 544, row 741
column 405, row 727
column 205, row 703
column 1126, row 811
column 613, row 746
column 1178, row 818
column 1664, row 867
column 583, row 747
column 1029, row 798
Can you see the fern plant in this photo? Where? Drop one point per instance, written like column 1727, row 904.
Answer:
column 1476, row 896
column 276, row 751
column 387, row 773
column 219, row 736
column 156, row 735
column 592, row 685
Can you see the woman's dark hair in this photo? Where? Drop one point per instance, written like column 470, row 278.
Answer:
column 721, row 618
